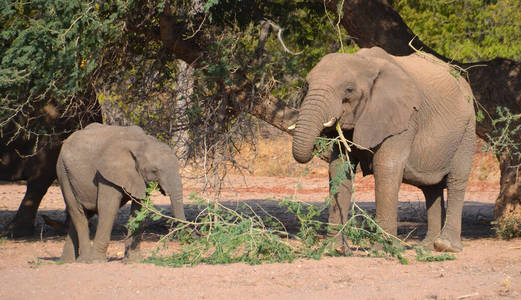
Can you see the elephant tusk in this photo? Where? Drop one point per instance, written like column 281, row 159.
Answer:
column 330, row 123
column 292, row 127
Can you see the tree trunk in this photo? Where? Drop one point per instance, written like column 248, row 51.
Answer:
column 494, row 83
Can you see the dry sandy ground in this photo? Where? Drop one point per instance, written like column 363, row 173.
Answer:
column 487, row 268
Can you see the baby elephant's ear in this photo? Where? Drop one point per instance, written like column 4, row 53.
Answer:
column 118, row 166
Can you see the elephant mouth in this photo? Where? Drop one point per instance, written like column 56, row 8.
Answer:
column 331, row 130
column 331, row 133
column 162, row 191
column 328, row 132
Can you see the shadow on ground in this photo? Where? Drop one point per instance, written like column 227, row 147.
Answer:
column 412, row 219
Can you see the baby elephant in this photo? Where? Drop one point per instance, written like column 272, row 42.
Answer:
column 102, row 167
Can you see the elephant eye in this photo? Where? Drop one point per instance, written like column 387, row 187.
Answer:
column 348, row 94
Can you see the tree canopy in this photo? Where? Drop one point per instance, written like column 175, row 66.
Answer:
column 195, row 72
column 470, row 30
column 60, row 59
column 50, row 52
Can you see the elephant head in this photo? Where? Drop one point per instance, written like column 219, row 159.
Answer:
column 367, row 92
column 133, row 162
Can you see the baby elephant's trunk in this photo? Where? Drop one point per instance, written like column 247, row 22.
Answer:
column 173, row 187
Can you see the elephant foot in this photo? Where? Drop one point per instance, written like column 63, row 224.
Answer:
column 343, row 250
column 445, row 245
column 428, row 242
column 90, row 259
column 83, row 259
column 68, row 257
column 67, row 260
column 427, row 245
column 339, row 244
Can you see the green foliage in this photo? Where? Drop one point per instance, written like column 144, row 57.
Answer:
column 72, row 54
column 323, row 147
column 35, row 262
column 427, row 256
column 508, row 227
column 134, row 222
column 49, row 52
column 468, row 30
column 224, row 235
column 480, row 116
column 221, row 235
column 503, row 139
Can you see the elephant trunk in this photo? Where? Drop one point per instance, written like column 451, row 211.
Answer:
column 317, row 111
column 173, row 187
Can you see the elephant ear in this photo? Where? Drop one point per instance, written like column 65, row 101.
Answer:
column 118, row 166
column 394, row 96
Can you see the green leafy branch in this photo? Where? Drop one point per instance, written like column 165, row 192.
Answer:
column 220, row 234
column 146, row 210
column 504, row 137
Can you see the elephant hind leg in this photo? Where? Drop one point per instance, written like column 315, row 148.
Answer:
column 108, row 203
column 435, row 213
column 70, row 249
column 133, row 239
column 78, row 240
column 450, row 238
column 23, row 222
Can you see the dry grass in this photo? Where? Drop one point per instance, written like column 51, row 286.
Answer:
column 272, row 157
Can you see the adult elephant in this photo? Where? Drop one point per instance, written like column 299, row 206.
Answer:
column 19, row 161
column 102, row 167
column 32, row 157
column 411, row 119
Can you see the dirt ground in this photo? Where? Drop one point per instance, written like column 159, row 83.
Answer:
column 487, row 268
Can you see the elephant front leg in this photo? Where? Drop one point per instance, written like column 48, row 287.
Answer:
column 387, row 187
column 340, row 188
column 388, row 165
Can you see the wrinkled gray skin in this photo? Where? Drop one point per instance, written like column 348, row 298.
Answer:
column 414, row 114
column 102, row 167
